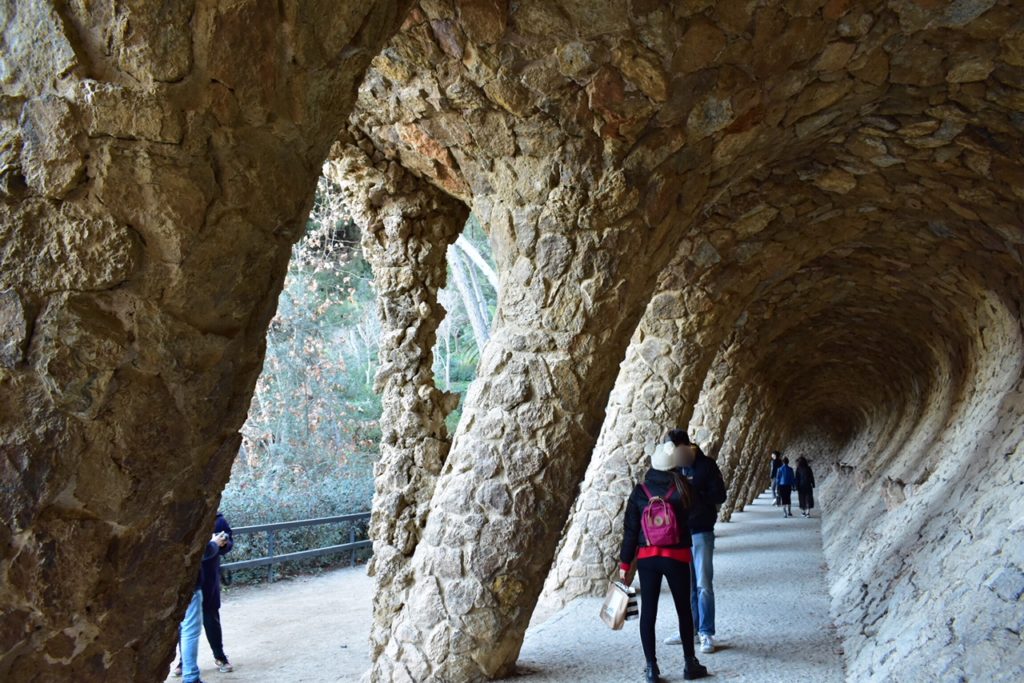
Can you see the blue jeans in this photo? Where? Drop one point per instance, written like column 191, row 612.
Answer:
column 190, row 627
column 702, row 594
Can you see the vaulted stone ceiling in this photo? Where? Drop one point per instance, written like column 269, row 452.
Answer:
column 822, row 173
column 787, row 224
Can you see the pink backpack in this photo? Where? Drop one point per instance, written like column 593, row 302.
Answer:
column 659, row 519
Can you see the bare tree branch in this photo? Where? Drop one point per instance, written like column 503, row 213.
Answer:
column 476, row 257
column 481, row 329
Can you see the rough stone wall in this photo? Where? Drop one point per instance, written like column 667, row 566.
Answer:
column 157, row 160
column 924, row 552
column 838, row 187
column 407, row 226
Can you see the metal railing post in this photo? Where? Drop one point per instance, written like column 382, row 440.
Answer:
column 270, row 553
column 352, row 539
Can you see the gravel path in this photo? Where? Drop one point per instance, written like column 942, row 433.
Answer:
column 771, row 601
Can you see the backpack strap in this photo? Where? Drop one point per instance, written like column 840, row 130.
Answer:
column 664, row 496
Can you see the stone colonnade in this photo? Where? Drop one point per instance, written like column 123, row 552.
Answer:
column 816, row 202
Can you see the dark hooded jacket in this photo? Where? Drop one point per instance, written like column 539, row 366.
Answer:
column 659, row 483
column 709, row 491
column 804, row 477
column 209, row 572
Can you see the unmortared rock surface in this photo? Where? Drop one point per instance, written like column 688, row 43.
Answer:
column 790, row 224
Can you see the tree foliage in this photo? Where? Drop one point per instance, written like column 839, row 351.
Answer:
column 312, row 434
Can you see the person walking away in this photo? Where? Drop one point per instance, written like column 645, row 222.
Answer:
column 776, row 463
column 188, row 631
column 785, row 478
column 211, row 598
column 804, row 486
column 655, row 534
column 709, row 492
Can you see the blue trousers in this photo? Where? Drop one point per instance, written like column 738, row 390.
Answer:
column 702, row 593
column 190, row 628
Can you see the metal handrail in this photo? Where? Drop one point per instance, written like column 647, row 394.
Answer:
column 271, row 529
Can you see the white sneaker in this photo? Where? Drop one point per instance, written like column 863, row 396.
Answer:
column 674, row 640
column 707, row 643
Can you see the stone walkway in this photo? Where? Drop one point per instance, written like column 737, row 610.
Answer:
column 772, row 621
column 772, row 616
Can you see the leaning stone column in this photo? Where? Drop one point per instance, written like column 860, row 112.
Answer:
column 407, row 226
column 751, row 480
column 157, row 161
column 717, row 404
column 569, row 301
column 734, row 451
column 657, row 387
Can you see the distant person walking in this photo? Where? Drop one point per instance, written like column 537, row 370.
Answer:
column 804, row 486
column 784, row 479
column 657, row 537
column 776, row 463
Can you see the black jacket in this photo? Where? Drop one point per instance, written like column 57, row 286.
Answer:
column 709, row 490
column 209, row 572
column 804, row 478
column 659, row 483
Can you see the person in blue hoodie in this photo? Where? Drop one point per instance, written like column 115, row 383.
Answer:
column 209, row 586
column 786, row 479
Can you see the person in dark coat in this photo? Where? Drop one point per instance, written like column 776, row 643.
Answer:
column 709, row 493
column 210, row 586
column 188, row 631
column 776, row 463
column 804, row 486
column 653, row 562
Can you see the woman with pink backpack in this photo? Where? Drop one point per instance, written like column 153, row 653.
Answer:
column 658, row 540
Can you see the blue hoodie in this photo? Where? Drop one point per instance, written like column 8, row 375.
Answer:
column 785, row 476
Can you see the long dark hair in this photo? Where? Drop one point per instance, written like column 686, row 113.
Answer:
column 685, row 490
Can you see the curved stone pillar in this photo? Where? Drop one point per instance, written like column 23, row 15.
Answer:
column 711, row 412
column 529, row 421
column 407, row 226
column 738, row 448
column 657, row 386
column 157, row 161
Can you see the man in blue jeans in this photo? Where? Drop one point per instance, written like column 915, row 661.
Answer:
column 192, row 624
column 709, row 487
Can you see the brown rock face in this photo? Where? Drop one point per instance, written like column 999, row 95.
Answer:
column 157, row 161
column 789, row 225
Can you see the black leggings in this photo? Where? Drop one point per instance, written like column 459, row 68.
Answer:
column 211, row 624
column 650, row 570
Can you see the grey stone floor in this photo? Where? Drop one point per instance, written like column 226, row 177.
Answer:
column 772, row 621
column 772, row 615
